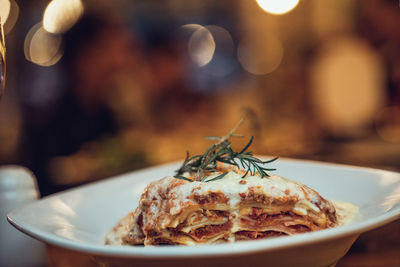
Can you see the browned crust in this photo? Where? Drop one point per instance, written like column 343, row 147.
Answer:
column 258, row 223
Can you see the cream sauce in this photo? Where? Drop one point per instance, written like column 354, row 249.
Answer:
column 346, row 212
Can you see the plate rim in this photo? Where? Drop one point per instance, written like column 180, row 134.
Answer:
column 200, row 251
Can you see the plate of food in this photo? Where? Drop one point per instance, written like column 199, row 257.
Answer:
column 224, row 207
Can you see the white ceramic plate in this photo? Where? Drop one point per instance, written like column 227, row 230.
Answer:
column 78, row 219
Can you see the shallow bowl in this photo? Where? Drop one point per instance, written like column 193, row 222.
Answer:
column 79, row 219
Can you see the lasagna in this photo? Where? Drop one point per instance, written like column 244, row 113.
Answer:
column 183, row 212
column 224, row 196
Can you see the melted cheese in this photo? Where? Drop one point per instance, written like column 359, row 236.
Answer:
column 168, row 202
column 346, row 212
column 274, row 186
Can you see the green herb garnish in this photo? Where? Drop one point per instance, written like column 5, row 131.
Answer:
column 223, row 152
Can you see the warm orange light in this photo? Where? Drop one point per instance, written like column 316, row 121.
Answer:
column 347, row 84
column 277, row 7
column 61, row 15
column 5, row 6
column 260, row 56
column 12, row 17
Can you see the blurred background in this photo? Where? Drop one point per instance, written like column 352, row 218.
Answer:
column 97, row 88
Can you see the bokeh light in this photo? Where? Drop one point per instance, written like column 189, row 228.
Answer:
column 224, row 49
column 28, row 39
column 201, row 46
column 61, row 15
column 277, row 7
column 5, row 7
column 347, row 82
column 12, row 17
column 188, row 29
column 41, row 47
column 261, row 56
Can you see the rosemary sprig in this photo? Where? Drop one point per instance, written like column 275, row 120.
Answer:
column 223, row 152
column 218, row 177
